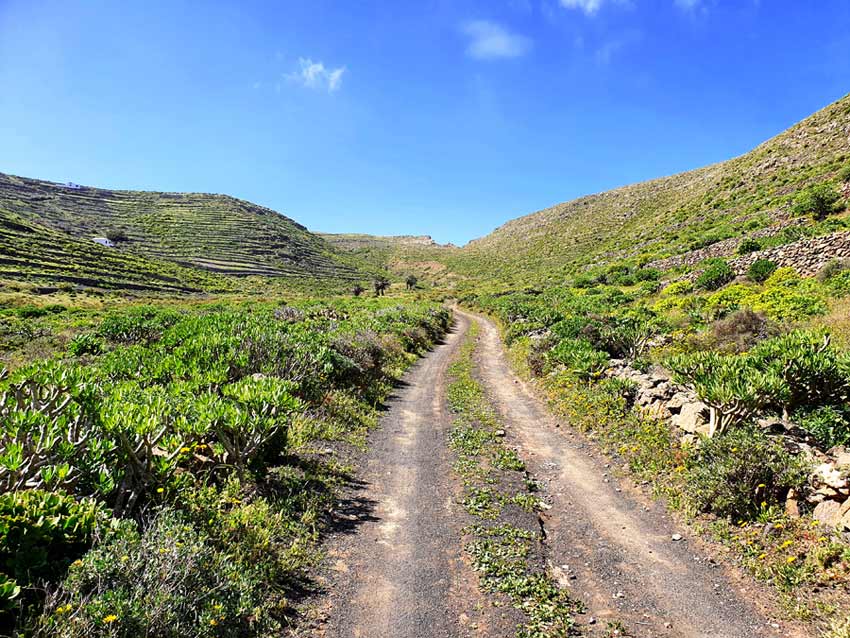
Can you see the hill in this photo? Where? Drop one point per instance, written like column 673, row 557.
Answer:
column 173, row 242
column 651, row 220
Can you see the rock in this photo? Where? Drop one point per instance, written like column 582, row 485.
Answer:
column 844, row 523
column 842, row 458
column 827, row 513
column 677, row 401
column 792, row 505
column 692, row 417
column 500, row 432
column 825, row 474
column 676, row 537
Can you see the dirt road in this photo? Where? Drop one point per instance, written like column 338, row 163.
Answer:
column 402, row 574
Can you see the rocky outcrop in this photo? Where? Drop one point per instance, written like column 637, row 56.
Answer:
column 828, row 489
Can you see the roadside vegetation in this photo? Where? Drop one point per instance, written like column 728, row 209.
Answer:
column 757, row 353
column 169, row 473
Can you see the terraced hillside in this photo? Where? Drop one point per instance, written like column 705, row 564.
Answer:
column 47, row 225
column 391, row 253
column 662, row 217
column 50, row 260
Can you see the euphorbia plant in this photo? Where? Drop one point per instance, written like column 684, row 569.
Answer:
column 734, row 389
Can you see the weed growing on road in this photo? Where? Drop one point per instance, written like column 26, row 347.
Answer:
column 497, row 489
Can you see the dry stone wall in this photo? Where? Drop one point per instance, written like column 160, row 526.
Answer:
column 723, row 248
column 806, row 256
column 828, row 490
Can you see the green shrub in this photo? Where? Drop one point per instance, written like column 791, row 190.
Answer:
column 749, row 245
column 827, row 423
column 760, row 270
column 844, row 174
column 839, row 284
column 85, row 344
column 817, row 200
column 812, row 372
column 579, row 358
column 732, row 386
column 832, row 268
column 717, row 273
column 167, row 582
column 42, row 532
column 741, row 474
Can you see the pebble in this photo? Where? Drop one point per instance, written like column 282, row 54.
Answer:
column 676, row 537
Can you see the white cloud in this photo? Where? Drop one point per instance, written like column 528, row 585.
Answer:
column 489, row 40
column 588, row 6
column 314, row 75
column 687, row 5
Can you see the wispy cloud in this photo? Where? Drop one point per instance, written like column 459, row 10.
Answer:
column 687, row 5
column 612, row 47
column 588, row 6
column 490, row 40
column 314, row 75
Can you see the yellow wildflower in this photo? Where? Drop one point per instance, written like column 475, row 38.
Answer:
column 77, row 563
column 213, row 622
column 184, row 450
column 159, row 490
column 762, row 556
column 787, row 543
column 109, row 619
column 790, row 559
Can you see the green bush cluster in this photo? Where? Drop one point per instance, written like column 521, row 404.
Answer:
column 761, row 269
column 179, row 402
column 716, row 274
column 782, row 374
column 817, row 200
column 741, row 475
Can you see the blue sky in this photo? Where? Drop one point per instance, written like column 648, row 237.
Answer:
column 440, row 117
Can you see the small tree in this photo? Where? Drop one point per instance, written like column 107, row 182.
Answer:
column 357, row 290
column 734, row 389
column 717, row 274
column 817, row 200
column 411, row 282
column 761, row 269
column 749, row 245
column 380, row 284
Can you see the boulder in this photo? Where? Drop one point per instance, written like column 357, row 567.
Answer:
column 826, row 475
column 693, row 417
column 828, row 513
column 677, row 401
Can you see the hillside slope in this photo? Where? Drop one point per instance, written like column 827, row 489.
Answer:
column 186, row 234
column 662, row 217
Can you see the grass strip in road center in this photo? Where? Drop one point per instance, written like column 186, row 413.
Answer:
column 504, row 545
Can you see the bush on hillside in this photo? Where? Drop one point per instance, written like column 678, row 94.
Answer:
column 741, row 474
column 828, row 424
column 844, row 174
column 749, row 245
column 579, row 358
column 740, row 331
column 761, row 269
column 817, row 200
column 42, row 532
column 717, row 274
column 831, row 268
